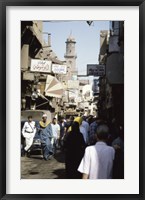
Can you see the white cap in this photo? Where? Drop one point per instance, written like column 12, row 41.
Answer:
column 44, row 115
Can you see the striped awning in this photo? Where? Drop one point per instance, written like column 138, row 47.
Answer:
column 54, row 87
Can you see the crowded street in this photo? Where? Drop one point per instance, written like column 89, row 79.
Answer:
column 72, row 100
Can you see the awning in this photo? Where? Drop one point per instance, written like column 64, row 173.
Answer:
column 53, row 87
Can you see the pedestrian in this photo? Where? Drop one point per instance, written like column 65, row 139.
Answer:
column 118, row 144
column 97, row 162
column 62, row 125
column 45, row 132
column 114, row 129
column 28, row 132
column 84, row 129
column 55, row 134
column 68, row 124
column 93, row 129
column 74, row 151
column 90, row 119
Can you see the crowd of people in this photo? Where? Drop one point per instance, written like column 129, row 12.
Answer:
column 93, row 147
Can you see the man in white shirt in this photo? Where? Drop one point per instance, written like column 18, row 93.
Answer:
column 55, row 132
column 97, row 162
column 28, row 132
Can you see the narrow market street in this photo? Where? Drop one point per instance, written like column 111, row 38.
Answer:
column 72, row 99
column 36, row 167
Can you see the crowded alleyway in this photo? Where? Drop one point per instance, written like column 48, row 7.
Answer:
column 73, row 114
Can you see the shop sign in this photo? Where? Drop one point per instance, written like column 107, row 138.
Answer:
column 59, row 69
column 73, row 84
column 95, row 70
column 40, row 66
column 28, row 76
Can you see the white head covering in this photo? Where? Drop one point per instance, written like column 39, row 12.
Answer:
column 44, row 115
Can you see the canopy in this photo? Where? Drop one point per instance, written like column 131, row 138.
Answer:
column 53, row 87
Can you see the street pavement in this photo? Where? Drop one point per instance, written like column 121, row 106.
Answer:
column 36, row 167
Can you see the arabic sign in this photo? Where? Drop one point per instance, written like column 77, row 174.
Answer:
column 73, row 84
column 59, row 69
column 40, row 66
column 95, row 70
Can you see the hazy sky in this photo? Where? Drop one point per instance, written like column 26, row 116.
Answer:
column 87, row 40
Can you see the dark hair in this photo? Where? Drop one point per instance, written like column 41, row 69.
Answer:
column 75, row 127
column 30, row 116
column 102, row 132
column 71, row 118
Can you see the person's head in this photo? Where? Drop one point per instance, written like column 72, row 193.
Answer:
column 54, row 121
column 44, row 118
column 62, row 119
column 71, row 118
column 30, row 118
column 75, row 127
column 90, row 119
column 102, row 132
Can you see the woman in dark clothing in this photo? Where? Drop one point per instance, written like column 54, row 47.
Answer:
column 75, row 147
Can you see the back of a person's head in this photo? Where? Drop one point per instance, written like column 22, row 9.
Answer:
column 84, row 118
column 75, row 127
column 102, row 132
column 71, row 118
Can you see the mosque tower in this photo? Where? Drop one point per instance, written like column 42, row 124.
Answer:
column 70, row 57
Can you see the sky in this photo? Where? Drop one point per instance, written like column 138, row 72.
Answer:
column 87, row 40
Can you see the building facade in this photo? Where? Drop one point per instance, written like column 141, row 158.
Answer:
column 70, row 57
column 111, row 95
column 37, row 59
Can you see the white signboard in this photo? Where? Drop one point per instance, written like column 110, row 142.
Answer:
column 28, row 76
column 59, row 69
column 73, row 84
column 40, row 66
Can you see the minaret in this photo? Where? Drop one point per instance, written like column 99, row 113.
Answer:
column 70, row 58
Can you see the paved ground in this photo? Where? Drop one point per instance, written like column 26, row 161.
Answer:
column 37, row 168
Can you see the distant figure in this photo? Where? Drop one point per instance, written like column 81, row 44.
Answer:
column 69, row 123
column 114, row 130
column 118, row 144
column 97, row 162
column 84, row 129
column 45, row 132
column 62, row 125
column 67, row 129
column 92, row 130
column 28, row 132
column 55, row 134
column 74, row 151
column 90, row 119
